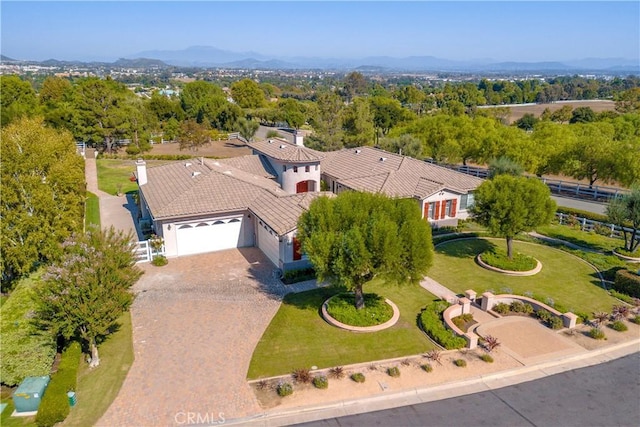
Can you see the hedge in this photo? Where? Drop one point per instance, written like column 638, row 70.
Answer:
column 583, row 214
column 26, row 351
column 432, row 323
column 627, row 282
column 54, row 406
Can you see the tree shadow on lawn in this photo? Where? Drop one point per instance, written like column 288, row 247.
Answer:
column 312, row 299
column 465, row 248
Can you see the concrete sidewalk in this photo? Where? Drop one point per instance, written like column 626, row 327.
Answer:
column 444, row 391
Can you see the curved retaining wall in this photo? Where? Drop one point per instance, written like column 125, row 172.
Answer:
column 389, row 323
column 488, row 302
column 483, row 264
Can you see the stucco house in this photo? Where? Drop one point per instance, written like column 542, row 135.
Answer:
column 204, row 205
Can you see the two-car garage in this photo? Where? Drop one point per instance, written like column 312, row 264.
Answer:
column 209, row 236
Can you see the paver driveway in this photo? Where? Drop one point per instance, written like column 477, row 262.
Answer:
column 196, row 322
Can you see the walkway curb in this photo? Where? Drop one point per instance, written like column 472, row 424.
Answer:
column 419, row 395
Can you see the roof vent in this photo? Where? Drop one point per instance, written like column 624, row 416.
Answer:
column 271, row 141
column 194, row 174
column 358, row 151
column 382, row 159
column 283, row 146
column 186, row 165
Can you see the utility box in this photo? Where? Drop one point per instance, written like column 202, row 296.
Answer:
column 28, row 395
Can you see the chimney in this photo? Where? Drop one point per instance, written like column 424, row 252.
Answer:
column 141, row 171
column 298, row 138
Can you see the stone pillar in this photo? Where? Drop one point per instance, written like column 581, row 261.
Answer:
column 472, row 340
column 466, row 305
column 569, row 320
column 487, row 301
column 471, row 294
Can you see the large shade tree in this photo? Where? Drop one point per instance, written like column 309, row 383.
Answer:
column 624, row 211
column 354, row 237
column 84, row 294
column 508, row 205
column 42, row 195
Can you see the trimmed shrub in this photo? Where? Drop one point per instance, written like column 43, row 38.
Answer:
column 555, row 323
column 394, row 371
column 544, row 315
column 427, row 367
column 284, row 389
column 376, row 311
column 159, row 260
column 498, row 258
column 582, row 214
column 26, row 351
column 501, row 308
column 521, row 307
column 54, row 407
column 596, row 334
column 358, row 377
column 321, row 382
column 636, row 319
column 627, row 282
column 619, row 326
column 462, row 320
column 486, row 358
column 432, row 323
column 300, row 275
column 461, row 363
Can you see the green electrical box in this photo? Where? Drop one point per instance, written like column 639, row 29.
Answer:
column 28, row 395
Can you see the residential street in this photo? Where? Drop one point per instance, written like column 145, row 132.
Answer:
column 598, row 396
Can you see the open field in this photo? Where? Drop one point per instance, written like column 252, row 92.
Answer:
column 220, row 149
column 516, row 112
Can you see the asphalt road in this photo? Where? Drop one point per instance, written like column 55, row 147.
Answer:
column 599, row 396
column 583, row 205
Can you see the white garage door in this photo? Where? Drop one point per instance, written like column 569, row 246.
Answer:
column 208, row 236
column 268, row 243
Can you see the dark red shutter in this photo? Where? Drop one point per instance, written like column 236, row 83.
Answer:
column 454, row 205
column 297, row 255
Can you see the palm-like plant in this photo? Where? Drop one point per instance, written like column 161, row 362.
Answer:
column 491, row 343
column 620, row 312
column 599, row 317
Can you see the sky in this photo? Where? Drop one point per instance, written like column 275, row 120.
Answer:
column 498, row 30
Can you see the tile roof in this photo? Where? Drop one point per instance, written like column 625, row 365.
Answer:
column 283, row 150
column 190, row 188
column 374, row 170
column 282, row 213
column 254, row 164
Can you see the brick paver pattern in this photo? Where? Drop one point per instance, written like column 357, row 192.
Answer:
column 196, row 323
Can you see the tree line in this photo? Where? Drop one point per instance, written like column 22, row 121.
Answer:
column 437, row 122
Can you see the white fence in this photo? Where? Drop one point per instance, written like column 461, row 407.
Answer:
column 144, row 252
column 557, row 186
column 590, row 225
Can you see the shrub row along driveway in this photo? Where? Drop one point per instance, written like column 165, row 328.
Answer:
column 196, row 322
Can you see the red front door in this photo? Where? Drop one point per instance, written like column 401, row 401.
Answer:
column 302, row 187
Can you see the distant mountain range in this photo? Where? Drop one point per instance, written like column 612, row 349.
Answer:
column 207, row 56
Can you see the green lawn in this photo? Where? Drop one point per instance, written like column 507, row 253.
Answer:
column 98, row 387
column 564, row 278
column 115, row 172
column 582, row 238
column 92, row 210
column 298, row 337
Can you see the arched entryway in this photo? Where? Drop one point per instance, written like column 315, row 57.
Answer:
column 306, row 186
